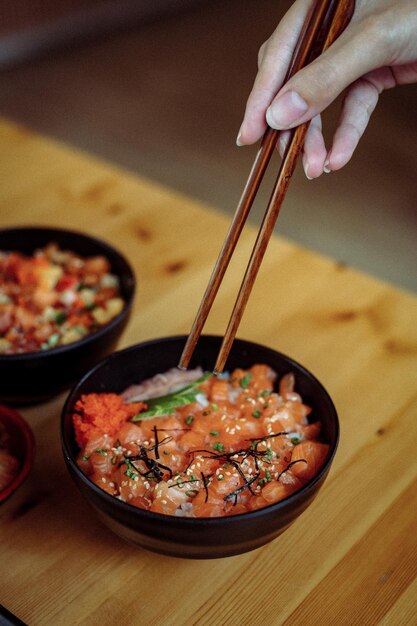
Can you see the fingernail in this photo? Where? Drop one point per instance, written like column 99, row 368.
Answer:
column 306, row 171
column 238, row 142
column 282, row 144
column 286, row 110
column 326, row 170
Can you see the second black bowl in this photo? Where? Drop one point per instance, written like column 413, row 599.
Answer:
column 35, row 376
column 196, row 537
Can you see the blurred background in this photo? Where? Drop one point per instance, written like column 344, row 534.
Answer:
column 160, row 88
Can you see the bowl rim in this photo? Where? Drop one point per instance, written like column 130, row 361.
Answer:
column 230, row 519
column 84, row 341
column 29, row 441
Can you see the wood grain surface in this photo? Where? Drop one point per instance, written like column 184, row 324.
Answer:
column 352, row 556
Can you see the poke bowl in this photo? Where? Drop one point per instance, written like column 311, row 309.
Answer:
column 182, row 533
column 17, row 447
column 51, row 331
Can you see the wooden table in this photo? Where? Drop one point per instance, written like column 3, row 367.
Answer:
column 352, row 556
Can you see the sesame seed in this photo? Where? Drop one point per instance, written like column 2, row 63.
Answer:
column 164, row 502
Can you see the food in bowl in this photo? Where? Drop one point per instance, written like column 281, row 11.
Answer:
column 54, row 297
column 218, row 446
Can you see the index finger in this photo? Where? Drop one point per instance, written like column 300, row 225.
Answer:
column 274, row 59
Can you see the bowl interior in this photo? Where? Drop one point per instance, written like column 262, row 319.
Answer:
column 142, row 361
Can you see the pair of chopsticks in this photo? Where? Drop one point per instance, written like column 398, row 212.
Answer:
column 324, row 23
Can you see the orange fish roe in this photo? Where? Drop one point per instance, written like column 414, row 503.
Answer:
column 216, row 447
column 102, row 413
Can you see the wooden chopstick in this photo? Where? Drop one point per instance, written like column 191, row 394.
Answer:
column 326, row 20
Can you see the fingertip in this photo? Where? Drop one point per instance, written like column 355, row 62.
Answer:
column 250, row 132
column 326, row 167
column 336, row 161
column 311, row 170
column 306, row 168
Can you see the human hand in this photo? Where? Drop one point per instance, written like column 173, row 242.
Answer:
column 377, row 51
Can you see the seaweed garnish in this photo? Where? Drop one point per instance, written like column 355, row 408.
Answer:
column 231, row 458
column 234, row 458
column 250, row 452
column 154, row 468
column 205, row 483
column 290, row 465
column 246, row 485
column 180, row 483
column 156, row 446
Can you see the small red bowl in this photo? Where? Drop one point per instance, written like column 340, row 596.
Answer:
column 21, row 445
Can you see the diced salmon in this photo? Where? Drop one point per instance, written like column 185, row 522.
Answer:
column 167, row 499
column 314, row 453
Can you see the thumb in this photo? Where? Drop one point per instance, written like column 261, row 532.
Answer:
column 356, row 52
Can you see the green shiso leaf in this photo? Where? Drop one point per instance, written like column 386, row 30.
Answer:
column 166, row 405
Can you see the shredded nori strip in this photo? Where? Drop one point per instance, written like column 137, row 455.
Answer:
column 242, row 475
column 259, row 439
column 183, row 482
column 156, row 446
column 233, row 459
column 154, row 468
column 236, row 492
column 290, row 465
column 205, row 486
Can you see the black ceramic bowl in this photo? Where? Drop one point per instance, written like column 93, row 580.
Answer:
column 190, row 537
column 35, row 376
